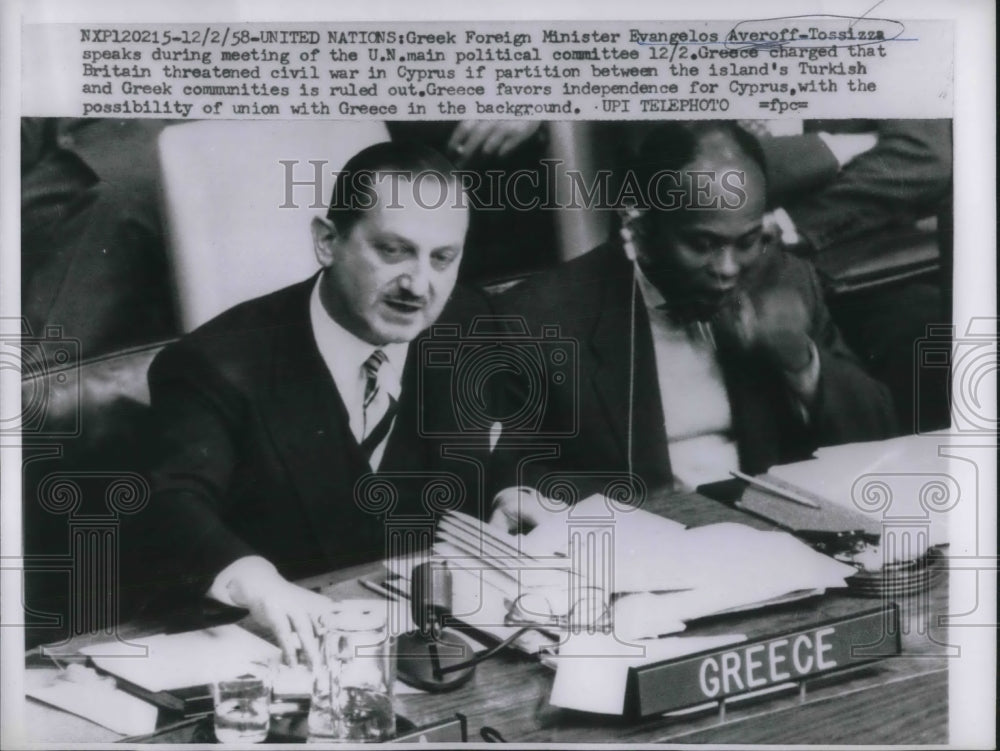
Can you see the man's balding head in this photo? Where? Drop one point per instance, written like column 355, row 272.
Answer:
column 354, row 190
column 704, row 194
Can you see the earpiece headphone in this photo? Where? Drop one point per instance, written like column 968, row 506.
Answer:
column 630, row 216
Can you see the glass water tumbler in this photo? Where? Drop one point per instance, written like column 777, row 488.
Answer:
column 242, row 708
column 352, row 684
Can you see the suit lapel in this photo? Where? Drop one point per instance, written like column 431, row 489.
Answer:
column 756, row 402
column 614, row 350
column 309, row 424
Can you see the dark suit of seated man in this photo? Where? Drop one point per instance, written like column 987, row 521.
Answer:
column 712, row 351
column 292, row 429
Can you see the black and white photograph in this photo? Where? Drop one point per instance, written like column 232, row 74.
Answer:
column 433, row 378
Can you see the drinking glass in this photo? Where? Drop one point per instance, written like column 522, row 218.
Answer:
column 242, row 707
column 352, row 683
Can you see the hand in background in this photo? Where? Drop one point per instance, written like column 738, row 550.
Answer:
column 476, row 140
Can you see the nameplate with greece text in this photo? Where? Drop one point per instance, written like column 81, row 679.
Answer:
column 755, row 665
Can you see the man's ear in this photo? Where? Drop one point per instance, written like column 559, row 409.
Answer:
column 325, row 237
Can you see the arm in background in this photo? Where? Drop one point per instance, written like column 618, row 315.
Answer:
column 904, row 177
column 850, row 405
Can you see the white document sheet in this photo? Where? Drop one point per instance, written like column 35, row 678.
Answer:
column 902, row 478
column 192, row 658
column 98, row 701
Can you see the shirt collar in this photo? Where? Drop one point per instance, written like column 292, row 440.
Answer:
column 344, row 353
column 659, row 315
column 653, row 298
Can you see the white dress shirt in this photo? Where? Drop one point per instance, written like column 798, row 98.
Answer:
column 344, row 354
column 696, row 408
column 693, row 396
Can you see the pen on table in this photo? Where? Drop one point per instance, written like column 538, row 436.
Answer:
column 784, row 493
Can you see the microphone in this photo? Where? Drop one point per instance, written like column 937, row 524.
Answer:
column 429, row 658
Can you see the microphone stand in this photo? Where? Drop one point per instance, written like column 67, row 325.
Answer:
column 429, row 658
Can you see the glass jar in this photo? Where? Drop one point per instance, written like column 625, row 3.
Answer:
column 352, row 683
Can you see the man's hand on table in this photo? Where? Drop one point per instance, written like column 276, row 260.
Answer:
column 286, row 610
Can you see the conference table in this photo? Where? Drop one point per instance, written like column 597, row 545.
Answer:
column 896, row 700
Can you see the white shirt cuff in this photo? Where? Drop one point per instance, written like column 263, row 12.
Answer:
column 248, row 565
column 789, row 235
column 846, row 146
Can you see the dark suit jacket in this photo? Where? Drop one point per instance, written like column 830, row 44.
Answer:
column 590, row 298
column 254, row 454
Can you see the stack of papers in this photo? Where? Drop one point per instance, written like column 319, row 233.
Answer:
column 653, row 574
column 644, row 577
column 872, row 486
column 730, row 567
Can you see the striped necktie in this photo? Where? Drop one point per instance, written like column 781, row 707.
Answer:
column 371, row 367
column 374, row 437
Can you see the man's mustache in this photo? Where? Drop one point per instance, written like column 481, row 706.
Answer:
column 404, row 297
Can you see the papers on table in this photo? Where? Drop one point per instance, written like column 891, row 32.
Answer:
column 730, row 567
column 194, row 658
column 94, row 699
column 637, row 539
column 867, row 486
column 650, row 574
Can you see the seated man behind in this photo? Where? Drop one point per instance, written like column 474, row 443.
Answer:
column 270, row 414
column 712, row 351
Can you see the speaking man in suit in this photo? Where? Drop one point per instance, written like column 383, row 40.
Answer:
column 702, row 347
column 272, row 415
